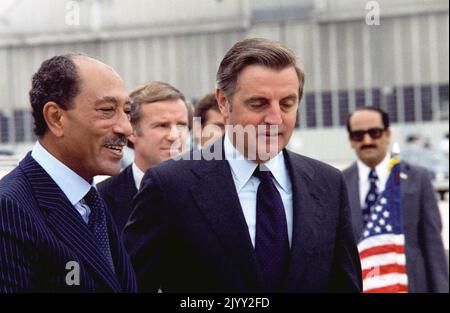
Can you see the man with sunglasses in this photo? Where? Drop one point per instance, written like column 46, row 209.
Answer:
column 370, row 136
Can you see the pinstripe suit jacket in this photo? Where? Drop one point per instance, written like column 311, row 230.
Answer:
column 40, row 232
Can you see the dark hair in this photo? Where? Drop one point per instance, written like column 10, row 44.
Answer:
column 153, row 91
column 56, row 80
column 204, row 105
column 255, row 51
column 384, row 116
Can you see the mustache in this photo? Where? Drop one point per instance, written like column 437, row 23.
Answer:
column 116, row 140
column 367, row 147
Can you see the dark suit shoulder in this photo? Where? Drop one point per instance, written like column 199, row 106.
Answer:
column 110, row 184
column 15, row 185
column 419, row 170
column 17, row 200
column 313, row 166
column 180, row 167
column 348, row 171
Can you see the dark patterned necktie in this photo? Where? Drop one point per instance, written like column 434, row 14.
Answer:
column 97, row 224
column 271, row 242
column 372, row 195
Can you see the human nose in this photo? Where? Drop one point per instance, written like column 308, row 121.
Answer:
column 123, row 125
column 174, row 133
column 273, row 116
column 367, row 138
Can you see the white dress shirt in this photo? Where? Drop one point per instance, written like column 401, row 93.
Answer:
column 247, row 185
column 137, row 175
column 71, row 184
column 382, row 171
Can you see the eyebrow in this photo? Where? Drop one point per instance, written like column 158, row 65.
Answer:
column 293, row 96
column 110, row 99
column 255, row 98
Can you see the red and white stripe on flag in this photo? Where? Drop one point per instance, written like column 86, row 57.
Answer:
column 383, row 263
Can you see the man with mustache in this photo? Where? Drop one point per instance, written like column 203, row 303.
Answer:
column 370, row 136
column 56, row 233
column 159, row 116
column 255, row 217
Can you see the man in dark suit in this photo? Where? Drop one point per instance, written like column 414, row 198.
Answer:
column 215, row 224
column 370, row 136
column 56, row 234
column 159, row 116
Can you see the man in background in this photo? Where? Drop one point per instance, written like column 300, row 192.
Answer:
column 370, row 136
column 210, row 124
column 159, row 116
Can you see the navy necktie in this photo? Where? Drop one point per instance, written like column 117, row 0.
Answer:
column 97, row 224
column 372, row 195
column 271, row 242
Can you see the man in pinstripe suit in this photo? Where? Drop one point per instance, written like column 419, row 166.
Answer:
column 56, row 234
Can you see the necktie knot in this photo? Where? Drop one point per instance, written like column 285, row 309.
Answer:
column 90, row 196
column 263, row 173
column 373, row 176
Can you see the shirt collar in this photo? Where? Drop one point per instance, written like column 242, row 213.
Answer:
column 382, row 169
column 242, row 169
column 71, row 184
column 137, row 175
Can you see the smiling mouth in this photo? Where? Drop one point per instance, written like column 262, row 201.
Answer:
column 115, row 148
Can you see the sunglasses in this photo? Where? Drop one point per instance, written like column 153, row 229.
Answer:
column 374, row 133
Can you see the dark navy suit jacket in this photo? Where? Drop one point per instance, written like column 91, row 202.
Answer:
column 426, row 264
column 118, row 192
column 41, row 231
column 188, row 232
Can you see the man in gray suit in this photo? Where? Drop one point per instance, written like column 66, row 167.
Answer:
column 370, row 136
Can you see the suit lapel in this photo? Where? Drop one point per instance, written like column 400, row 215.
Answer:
column 308, row 212
column 129, row 185
column 216, row 196
column 407, row 189
column 354, row 199
column 66, row 222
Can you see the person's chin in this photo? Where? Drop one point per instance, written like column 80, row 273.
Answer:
column 169, row 153
column 111, row 168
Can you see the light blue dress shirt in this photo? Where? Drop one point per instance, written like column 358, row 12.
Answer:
column 71, row 184
column 247, row 185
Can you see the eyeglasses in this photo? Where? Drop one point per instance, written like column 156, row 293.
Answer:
column 374, row 133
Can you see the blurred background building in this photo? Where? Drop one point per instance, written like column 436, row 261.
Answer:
column 390, row 53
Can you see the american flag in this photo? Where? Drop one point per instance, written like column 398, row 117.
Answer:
column 382, row 245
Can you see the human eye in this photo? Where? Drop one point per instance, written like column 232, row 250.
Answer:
column 127, row 111
column 107, row 111
column 182, row 126
column 256, row 103
column 161, row 125
column 289, row 103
